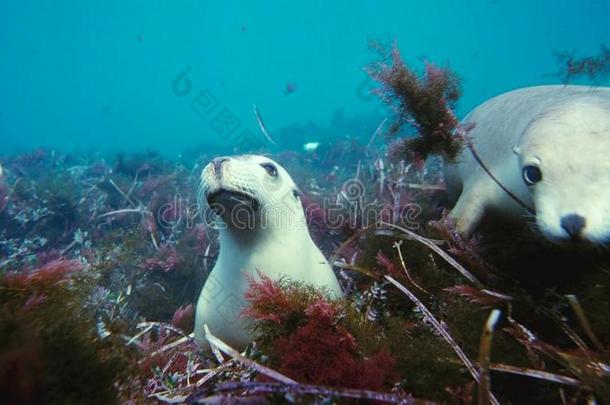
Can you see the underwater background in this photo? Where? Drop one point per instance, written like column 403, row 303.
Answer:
column 110, row 110
column 99, row 75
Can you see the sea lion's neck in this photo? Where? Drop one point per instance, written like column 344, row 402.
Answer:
column 250, row 250
column 257, row 238
column 267, row 242
column 242, row 238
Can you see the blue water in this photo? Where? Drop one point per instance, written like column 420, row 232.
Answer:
column 84, row 75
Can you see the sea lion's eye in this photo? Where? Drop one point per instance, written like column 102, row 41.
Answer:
column 270, row 169
column 295, row 193
column 531, row 175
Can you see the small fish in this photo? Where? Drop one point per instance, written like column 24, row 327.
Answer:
column 311, row 146
column 140, row 38
column 291, row 87
column 262, row 126
column 244, row 28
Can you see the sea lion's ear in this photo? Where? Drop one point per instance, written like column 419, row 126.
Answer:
column 517, row 150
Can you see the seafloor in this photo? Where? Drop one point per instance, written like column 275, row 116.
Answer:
column 102, row 258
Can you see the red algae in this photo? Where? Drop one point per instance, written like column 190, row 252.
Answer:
column 424, row 103
column 104, row 278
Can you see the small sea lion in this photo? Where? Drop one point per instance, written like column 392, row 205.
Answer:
column 262, row 229
column 539, row 151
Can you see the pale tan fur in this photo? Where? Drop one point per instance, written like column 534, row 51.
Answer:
column 278, row 245
column 565, row 131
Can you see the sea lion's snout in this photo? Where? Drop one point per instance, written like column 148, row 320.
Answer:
column 228, row 187
column 217, row 165
column 582, row 228
column 573, row 224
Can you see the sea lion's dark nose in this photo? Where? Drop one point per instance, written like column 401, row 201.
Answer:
column 217, row 162
column 573, row 224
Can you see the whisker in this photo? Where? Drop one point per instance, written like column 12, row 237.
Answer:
column 528, row 215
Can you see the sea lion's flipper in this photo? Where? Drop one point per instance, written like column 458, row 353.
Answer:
column 468, row 210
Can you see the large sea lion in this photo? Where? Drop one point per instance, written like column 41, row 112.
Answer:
column 539, row 151
column 262, row 229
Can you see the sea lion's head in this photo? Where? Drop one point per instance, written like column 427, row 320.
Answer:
column 564, row 158
column 250, row 193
